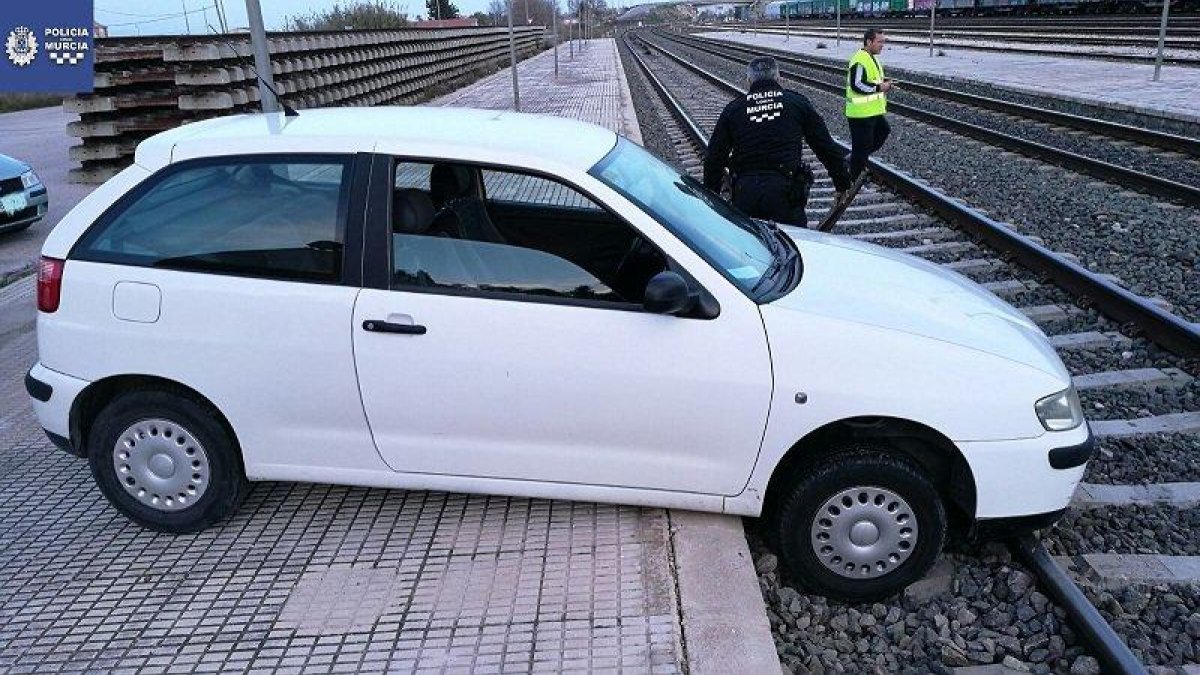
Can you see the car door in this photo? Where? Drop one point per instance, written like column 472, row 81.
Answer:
column 228, row 275
column 490, row 358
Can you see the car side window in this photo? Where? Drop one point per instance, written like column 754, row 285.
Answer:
column 491, row 231
column 260, row 217
column 504, row 186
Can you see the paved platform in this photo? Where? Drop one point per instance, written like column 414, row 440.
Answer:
column 318, row 578
column 1111, row 84
column 590, row 86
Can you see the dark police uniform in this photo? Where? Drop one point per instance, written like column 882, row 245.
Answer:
column 758, row 137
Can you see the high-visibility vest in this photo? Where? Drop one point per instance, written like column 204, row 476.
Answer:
column 865, row 105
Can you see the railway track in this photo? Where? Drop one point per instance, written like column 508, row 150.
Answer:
column 1161, row 164
column 1057, row 46
column 1120, row 378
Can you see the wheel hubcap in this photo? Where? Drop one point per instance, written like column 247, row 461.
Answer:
column 864, row 532
column 161, row 464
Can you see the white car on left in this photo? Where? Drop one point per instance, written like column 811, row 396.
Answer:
column 23, row 197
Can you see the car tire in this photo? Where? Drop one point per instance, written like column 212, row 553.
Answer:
column 166, row 460
column 861, row 525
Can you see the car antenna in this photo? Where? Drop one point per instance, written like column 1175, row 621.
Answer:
column 288, row 111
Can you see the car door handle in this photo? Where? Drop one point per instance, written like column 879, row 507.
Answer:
column 376, row 326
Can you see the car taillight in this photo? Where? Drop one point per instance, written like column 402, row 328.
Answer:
column 49, row 284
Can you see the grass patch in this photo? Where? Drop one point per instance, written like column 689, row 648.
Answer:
column 14, row 102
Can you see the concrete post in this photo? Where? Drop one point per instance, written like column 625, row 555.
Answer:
column 932, row 18
column 262, row 57
column 555, row 39
column 837, row 30
column 512, row 55
column 1162, row 38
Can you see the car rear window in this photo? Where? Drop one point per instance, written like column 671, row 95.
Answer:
column 253, row 217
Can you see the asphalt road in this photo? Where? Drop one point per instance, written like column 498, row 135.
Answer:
column 39, row 138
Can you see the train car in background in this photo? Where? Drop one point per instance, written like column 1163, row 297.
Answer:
column 899, row 8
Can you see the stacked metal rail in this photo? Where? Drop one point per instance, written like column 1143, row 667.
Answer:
column 147, row 85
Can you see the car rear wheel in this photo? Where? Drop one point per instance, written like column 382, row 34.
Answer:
column 861, row 525
column 166, row 461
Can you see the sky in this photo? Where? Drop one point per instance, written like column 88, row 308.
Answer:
column 158, row 17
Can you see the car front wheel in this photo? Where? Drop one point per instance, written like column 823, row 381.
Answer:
column 861, row 525
column 166, row 461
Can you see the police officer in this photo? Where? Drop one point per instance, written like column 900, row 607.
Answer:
column 866, row 101
column 758, row 137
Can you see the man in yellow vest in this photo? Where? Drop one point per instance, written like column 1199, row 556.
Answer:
column 866, row 102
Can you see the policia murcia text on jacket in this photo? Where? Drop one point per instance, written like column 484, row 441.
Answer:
column 759, row 138
column 866, row 101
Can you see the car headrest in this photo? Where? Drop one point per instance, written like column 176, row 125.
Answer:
column 449, row 181
column 412, row 211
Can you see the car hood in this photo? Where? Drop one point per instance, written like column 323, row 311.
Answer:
column 858, row 282
column 10, row 168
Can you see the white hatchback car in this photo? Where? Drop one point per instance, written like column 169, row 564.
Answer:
column 483, row 301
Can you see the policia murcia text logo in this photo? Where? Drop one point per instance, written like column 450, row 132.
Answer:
column 67, row 46
column 21, row 46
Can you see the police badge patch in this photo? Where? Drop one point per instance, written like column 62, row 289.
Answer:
column 21, row 46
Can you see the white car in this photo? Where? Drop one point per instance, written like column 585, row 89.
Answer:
column 481, row 301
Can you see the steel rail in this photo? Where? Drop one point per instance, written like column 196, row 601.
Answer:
column 1106, row 171
column 1090, row 56
column 1139, row 314
column 1114, row 655
column 1159, row 139
column 1108, row 647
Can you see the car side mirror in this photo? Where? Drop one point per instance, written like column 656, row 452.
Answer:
column 668, row 293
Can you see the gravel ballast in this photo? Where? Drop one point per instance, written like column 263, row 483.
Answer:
column 1160, row 458
column 1128, row 529
column 973, row 610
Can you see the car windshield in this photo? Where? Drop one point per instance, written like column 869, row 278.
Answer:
column 735, row 245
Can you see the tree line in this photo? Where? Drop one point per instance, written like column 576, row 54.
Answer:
column 379, row 14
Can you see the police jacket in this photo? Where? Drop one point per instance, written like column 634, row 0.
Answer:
column 762, row 131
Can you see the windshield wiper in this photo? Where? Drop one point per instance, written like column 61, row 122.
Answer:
column 768, row 233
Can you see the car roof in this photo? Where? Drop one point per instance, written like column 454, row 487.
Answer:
column 501, row 134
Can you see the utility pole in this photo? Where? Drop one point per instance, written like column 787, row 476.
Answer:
column 932, row 18
column 837, row 39
column 1162, row 38
column 555, row 39
column 262, row 57
column 787, row 21
column 512, row 55
column 186, row 21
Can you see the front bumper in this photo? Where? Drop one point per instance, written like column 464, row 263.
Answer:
column 53, row 394
column 1028, row 477
column 38, row 202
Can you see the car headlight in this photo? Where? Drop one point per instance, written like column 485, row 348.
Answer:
column 1061, row 411
column 30, row 179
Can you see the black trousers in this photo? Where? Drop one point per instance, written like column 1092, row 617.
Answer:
column 867, row 134
column 768, row 196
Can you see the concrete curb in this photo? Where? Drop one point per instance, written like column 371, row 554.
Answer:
column 725, row 626
column 630, row 128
